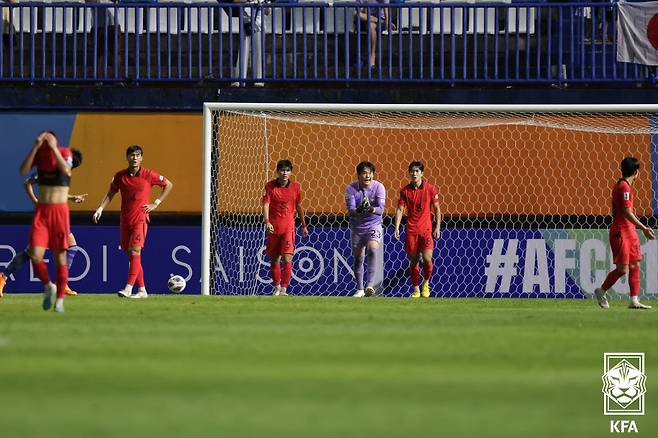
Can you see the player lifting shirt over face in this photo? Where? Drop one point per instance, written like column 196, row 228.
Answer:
column 51, row 222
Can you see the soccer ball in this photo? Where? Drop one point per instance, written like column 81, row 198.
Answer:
column 176, row 284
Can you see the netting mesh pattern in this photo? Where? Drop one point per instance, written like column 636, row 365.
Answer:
column 525, row 197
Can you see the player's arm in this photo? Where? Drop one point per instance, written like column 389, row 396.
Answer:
column 27, row 185
column 104, row 203
column 27, row 163
column 436, row 208
column 266, row 217
column 350, row 202
column 269, row 228
column 648, row 232
column 380, row 201
column 165, row 191
column 399, row 212
column 62, row 165
column 302, row 219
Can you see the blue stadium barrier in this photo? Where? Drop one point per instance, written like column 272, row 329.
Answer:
column 438, row 41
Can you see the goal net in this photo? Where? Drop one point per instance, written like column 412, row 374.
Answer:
column 525, row 194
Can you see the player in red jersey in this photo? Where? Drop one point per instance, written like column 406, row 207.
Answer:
column 282, row 197
column 22, row 257
column 51, row 222
column 420, row 199
column 624, row 242
column 135, row 185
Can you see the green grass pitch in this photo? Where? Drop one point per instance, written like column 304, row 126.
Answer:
column 191, row 366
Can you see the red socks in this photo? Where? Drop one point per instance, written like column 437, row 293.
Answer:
column 140, row 277
column 427, row 271
column 286, row 275
column 275, row 270
column 41, row 271
column 134, row 268
column 634, row 280
column 414, row 271
column 611, row 279
column 62, row 280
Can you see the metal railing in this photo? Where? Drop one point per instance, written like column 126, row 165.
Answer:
column 438, row 42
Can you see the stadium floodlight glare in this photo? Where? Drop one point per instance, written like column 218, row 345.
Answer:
column 524, row 189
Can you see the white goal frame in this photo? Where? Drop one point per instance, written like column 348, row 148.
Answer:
column 209, row 107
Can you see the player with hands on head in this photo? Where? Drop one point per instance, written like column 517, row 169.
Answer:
column 20, row 258
column 51, row 221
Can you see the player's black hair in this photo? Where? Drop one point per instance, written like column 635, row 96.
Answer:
column 77, row 158
column 417, row 164
column 134, row 148
column 363, row 165
column 282, row 164
column 629, row 166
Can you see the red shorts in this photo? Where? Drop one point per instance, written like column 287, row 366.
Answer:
column 278, row 244
column 51, row 226
column 133, row 236
column 625, row 247
column 415, row 243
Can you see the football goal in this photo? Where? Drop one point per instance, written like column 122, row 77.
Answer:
column 525, row 192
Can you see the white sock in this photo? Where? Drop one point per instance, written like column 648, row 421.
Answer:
column 128, row 288
column 416, row 289
column 59, row 301
column 142, row 289
column 635, row 300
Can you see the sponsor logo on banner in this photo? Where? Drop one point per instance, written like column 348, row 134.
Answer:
column 467, row 262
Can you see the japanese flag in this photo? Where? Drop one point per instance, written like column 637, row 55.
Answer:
column 637, row 28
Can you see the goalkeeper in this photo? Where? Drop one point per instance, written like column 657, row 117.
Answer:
column 365, row 199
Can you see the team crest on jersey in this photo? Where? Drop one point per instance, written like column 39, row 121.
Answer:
column 161, row 178
column 627, row 196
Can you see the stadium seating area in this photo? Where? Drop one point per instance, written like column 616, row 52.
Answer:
column 311, row 40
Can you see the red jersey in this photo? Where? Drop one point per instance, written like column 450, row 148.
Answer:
column 283, row 201
column 622, row 197
column 45, row 160
column 418, row 202
column 47, row 172
column 135, row 193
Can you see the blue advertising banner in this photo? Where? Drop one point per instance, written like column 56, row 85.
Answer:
column 100, row 266
column 467, row 262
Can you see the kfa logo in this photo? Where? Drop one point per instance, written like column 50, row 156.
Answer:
column 624, row 386
column 623, row 383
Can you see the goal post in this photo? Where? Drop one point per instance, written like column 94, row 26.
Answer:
column 524, row 190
